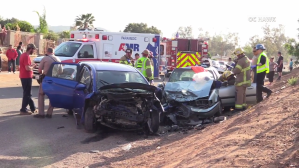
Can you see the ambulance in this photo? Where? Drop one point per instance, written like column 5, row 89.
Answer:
column 96, row 45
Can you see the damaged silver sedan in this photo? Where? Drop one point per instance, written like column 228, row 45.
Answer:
column 194, row 93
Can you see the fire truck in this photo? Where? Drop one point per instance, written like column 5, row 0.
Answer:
column 96, row 45
column 177, row 53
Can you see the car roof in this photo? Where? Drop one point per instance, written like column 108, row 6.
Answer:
column 109, row 66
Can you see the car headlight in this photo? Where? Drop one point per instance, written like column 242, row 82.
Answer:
column 185, row 92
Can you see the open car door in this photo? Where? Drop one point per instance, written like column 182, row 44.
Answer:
column 60, row 85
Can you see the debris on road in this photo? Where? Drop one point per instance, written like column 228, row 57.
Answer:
column 60, row 127
column 94, row 151
column 127, row 147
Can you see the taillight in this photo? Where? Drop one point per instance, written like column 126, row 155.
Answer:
column 97, row 36
column 72, row 36
column 104, row 37
column 154, row 40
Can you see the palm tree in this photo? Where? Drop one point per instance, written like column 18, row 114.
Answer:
column 84, row 21
column 43, row 25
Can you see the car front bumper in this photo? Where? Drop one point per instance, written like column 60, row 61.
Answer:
column 199, row 112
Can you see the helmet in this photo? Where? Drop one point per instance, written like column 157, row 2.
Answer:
column 260, row 47
column 145, row 52
column 129, row 50
column 238, row 51
column 226, row 74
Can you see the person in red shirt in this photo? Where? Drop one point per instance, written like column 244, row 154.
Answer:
column 11, row 55
column 26, row 73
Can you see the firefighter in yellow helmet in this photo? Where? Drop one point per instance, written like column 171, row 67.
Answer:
column 145, row 66
column 127, row 59
column 227, row 78
column 243, row 79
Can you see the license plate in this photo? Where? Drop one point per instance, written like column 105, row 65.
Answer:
column 37, row 77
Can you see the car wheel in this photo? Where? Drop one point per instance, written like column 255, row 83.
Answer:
column 70, row 112
column 154, row 122
column 219, row 113
column 90, row 120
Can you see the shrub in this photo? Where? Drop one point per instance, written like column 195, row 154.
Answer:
column 51, row 36
column 293, row 81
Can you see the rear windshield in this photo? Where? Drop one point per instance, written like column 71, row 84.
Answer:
column 67, row 49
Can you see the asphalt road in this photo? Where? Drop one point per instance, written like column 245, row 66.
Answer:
column 29, row 142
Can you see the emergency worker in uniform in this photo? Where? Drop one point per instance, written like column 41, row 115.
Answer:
column 145, row 66
column 243, row 78
column 227, row 78
column 262, row 68
column 127, row 59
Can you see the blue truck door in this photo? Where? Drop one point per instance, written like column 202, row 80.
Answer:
column 60, row 84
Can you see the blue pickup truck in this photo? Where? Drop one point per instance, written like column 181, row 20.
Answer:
column 112, row 94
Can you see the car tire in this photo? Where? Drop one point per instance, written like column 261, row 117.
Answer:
column 90, row 124
column 155, row 120
column 219, row 113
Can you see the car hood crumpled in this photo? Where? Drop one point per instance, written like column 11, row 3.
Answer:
column 194, row 90
column 130, row 85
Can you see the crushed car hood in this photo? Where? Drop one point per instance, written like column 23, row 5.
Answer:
column 193, row 90
column 130, row 86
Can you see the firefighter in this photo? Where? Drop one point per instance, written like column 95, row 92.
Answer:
column 145, row 66
column 262, row 68
column 227, row 78
column 127, row 59
column 243, row 79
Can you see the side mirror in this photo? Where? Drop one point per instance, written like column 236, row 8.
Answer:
column 80, row 86
column 160, row 85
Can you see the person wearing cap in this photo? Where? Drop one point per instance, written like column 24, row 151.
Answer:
column 145, row 66
column 26, row 74
column 280, row 65
column 243, row 80
column 127, row 59
column 262, row 68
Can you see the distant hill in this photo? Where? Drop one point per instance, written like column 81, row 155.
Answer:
column 58, row 29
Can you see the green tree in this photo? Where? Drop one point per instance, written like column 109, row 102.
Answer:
column 51, row 36
column 25, row 26
column 292, row 48
column 223, row 45
column 141, row 28
column 248, row 50
column 65, row 34
column 84, row 21
column 185, row 32
column 43, row 25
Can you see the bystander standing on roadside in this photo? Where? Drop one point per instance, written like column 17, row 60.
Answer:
column 21, row 44
column 272, row 66
column 20, row 52
column 0, row 60
column 11, row 55
column 43, row 68
column 291, row 65
column 26, row 73
column 280, row 65
column 253, row 62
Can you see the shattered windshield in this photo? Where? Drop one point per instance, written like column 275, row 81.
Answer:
column 184, row 75
column 67, row 49
column 115, row 77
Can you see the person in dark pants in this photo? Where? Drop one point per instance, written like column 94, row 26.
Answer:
column 11, row 55
column 280, row 65
column 262, row 68
column 26, row 73
column 291, row 65
column 272, row 66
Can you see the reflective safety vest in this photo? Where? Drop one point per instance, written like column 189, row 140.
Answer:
column 126, row 62
column 244, row 75
column 141, row 66
column 265, row 67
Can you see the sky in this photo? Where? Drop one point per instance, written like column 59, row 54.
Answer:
column 214, row 16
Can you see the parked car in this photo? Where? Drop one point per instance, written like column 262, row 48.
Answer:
column 193, row 100
column 115, row 95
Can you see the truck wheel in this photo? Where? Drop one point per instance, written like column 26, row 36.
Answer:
column 90, row 120
column 154, row 120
